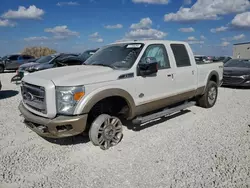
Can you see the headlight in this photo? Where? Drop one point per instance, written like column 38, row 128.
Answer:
column 246, row 76
column 67, row 98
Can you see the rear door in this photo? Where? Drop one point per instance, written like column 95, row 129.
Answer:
column 185, row 75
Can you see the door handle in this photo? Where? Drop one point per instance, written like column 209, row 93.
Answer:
column 169, row 75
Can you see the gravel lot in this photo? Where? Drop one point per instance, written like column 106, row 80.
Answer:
column 200, row 148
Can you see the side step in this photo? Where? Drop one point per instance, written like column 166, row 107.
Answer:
column 168, row 111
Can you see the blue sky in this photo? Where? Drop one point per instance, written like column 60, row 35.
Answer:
column 211, row 27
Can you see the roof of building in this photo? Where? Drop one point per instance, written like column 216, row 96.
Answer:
column 242, row 43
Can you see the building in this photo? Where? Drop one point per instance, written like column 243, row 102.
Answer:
column 241, row 50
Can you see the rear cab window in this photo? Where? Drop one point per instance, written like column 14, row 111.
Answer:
column 181, row 55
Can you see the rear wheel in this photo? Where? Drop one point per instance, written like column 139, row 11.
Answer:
column 1, row 69
column 106, row 131
column 210, row 96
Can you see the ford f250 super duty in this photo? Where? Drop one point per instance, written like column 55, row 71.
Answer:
column 137, row 81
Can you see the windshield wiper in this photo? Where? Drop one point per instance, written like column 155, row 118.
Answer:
column 104, row 65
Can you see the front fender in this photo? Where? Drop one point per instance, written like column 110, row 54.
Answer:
column 86, row 104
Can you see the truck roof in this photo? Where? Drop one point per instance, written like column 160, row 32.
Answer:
column 150, row 41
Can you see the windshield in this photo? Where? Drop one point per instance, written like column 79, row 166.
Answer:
column 5, row 57
column 117, row 56
column 238, row 63
column 44, row 59
column 85, row 55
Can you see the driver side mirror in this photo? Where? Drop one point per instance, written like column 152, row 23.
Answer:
column 149, row 67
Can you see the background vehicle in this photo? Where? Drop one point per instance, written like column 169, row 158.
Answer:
column 88, row 53
column 200, row 59
column 12, row 62
column 121, row 81
column 237, row 73
column 222, row 59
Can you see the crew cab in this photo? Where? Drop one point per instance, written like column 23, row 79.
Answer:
column 124, row 81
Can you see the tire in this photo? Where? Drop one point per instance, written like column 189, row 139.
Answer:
column 209, row 98
column 1, row 69
column 106, row 131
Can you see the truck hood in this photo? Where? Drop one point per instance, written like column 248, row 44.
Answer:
column 236, row 71
column 77, row 75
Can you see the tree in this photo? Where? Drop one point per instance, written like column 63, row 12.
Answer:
column 38, row 51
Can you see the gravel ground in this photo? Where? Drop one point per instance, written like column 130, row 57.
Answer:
column 200, row 148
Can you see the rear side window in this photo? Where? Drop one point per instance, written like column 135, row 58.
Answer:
column 181, row 55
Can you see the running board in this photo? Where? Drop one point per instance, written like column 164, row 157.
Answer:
column 165, row 112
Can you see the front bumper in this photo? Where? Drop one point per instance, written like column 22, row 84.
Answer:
column 61, row 126
column 236, row 82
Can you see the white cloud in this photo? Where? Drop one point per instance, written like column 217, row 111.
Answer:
column 196, row 42
column 203, row 37
column 145, row 34
column 241, row 20
column 96, row 37
column 192, row 38
column 239, row 37
column 225, row 43
column 36, row 38
column 218, row 29
column 32, row 12
column 61, row 32
column 186, row 30
column 99, row 40
column 208, row 10
column 152, row 1
column 6, row 23
column 69, row 3
column 117, row 26
column 145, row 23
column 187, row 2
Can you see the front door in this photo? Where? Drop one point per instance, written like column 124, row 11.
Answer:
column 153, row 89
column 12, row 62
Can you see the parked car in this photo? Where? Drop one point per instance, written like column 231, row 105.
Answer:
column 237, row 73
column 200, row 59
column 45, row 62
column 87, row 54
column 121, row 81
column 222, row 58
column 12, row 62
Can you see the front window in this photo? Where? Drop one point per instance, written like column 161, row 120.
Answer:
column 116, row 56
column 5, row 57
column 244, row 63
column 44, row 59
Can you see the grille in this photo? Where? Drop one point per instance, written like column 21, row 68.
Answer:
column 232, row 80
column 34, row 97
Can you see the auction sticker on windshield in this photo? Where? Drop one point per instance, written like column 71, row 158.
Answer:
column 133, row 45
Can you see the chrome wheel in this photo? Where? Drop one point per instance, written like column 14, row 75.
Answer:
column 212, row 94
column 106, row 131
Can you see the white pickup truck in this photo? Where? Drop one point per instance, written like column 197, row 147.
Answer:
column 137, row 80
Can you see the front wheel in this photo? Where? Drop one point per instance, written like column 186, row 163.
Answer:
column 106, row 131
column 210, row 96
